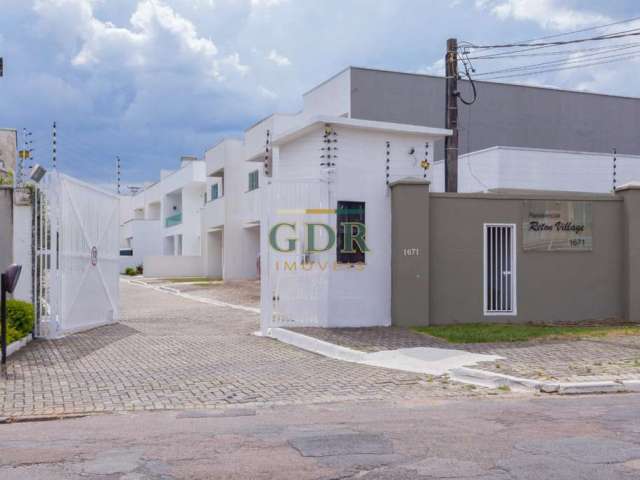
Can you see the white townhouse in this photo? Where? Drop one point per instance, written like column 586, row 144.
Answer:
column 160, row 225
column 231, row 214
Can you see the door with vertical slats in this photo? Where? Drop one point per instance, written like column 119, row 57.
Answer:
column 500, row 269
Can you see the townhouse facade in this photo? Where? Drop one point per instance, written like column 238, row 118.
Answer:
column 360, row 136
column 162, row 221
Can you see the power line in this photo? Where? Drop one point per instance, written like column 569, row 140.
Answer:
column 537, row 72
column 598, row 55
column 503, row 55
column 627, row 33
column 597, row 27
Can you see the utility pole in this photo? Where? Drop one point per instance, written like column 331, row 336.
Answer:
column 451, row 116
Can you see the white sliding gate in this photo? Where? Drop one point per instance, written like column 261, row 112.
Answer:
column 76, row 253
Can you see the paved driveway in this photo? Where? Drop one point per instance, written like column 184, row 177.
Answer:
column 173, row 353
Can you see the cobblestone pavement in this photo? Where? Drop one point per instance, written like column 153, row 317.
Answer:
column 613, row 357
column 170, row 352
column 242, row 292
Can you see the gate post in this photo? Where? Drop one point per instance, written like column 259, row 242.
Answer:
column 631, row 195
column 410, row 252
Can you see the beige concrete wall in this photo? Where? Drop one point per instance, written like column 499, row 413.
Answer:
column 631, row 195
column 552, row 287
column 410, row 253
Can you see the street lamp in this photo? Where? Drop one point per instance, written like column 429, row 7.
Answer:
column 37, row 172
column 8, row 283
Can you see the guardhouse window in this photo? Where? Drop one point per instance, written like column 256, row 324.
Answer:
column 254, row 180
column 349, row 212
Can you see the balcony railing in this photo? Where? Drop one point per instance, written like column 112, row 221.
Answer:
column 175, row 219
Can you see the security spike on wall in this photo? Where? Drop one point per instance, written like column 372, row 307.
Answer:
column 118, row 174
column 268, row 154
column 425, row 164
column 327, row 149
column 388, row 161
column 54, row 146
column 615, row 166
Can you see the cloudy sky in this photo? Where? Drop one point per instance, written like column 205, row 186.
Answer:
column 150, row 80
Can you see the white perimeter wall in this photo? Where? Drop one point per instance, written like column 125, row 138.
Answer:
column 22, row 250
column 539, row 169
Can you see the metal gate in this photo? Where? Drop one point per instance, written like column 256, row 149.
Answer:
column 294, row 285
column 75, row 256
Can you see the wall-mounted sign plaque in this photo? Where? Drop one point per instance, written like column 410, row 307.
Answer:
column 556, row 225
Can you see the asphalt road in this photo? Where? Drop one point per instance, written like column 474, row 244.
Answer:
column 590, row 437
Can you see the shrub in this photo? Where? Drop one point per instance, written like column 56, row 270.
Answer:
column 140, row 269
column 130, row 271
column 20, row 319
column 13, row 335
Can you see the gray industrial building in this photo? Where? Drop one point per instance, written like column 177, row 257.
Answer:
column 503, row 115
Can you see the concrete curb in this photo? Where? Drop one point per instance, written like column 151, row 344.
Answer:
column 467, row 375
column 315, row 345
column 13, row 347
column 496, row 380
column 400, row 359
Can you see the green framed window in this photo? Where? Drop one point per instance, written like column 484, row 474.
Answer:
column 349, row 212
column 254, row 180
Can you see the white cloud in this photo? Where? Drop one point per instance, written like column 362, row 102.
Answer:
column 157, row 39
column 436, row 68
column 267, row 3
column 265, row 92
column 278, row 59
column 546, row 13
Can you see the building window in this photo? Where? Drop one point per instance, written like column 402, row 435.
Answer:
column 214, row 191
column 253, row 180
column 500, row 296
column 349, row 212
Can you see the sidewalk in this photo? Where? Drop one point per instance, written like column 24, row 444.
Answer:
column 609, row 363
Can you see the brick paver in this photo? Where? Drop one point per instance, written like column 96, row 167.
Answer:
column 614, row 357
column 173, row 353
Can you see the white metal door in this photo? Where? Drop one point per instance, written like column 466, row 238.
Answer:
column 500, row 293
column 294, row 285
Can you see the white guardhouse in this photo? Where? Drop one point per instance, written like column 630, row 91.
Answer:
column 328, row 171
